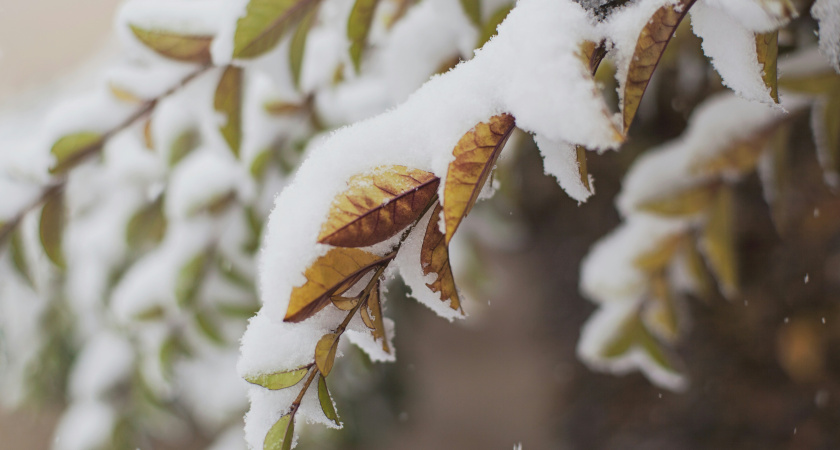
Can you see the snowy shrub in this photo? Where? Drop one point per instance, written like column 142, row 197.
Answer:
column 142, row 239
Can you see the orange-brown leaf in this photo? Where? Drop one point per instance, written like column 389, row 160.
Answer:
column 649, row 49
column 377, row 205
column 767, row 50
column 475, row 155
column 330, row 275
column 434, row 258
column 591, row 53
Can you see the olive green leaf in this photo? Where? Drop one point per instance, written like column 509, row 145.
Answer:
column 73, row 149
column 767, row 50
column 472, row 8
column 18, row 254
column 297, row 46
column 181, row 47
column 265, row 22
column 326, row 400
column 182, row 145
column 278, row 380
column 281, row 434
column 148, row 225
column 358, row 28
column 228, row 101
column 719, row 244
column 189, row 279
column 52, row 228
column 209, row 328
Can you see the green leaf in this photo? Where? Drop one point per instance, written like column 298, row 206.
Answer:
column 148, row 225
column 235, row 277
column 52, row 228
column 358, row 29
column 154, row 313
column 495, row 19
column 278, row 380
column 472, row 8
column 326, row 400
column 325, row 353
column 280, row 435
column 228, row 101
column 260, row 163
column 238, row 311
column 185, row 143
column 181, row 47
column 73, row 148
column 209, row 328
column 633, row 334
column 719, row 244
column 171, row 348
column 18, row 254
column 264, row 24
column 297, row 46
column 189, row 280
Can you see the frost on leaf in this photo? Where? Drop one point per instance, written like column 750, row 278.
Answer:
column 718, row 242
column 475, row 154
column 649, row 49
column 265, row 22
column 228, row 101
column 329, row 275
column 358, row 28
column 53, row 217
column 72, row 149
column 325, row 353
column 279, row 380
column 434, row 258
column 281, row 434
column 180, row 47
column 827, row 13
column 377, row 205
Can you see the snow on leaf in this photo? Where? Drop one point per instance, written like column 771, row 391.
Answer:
column 434, row 258
column 659, row 313
column 330, row 275
column 767, row 50
column 264, row 24
column 358, row 28
column 660, row 256
column 228, row 101
column 325, row 352
column 175, row 46
column 475, row 154
column 72, row 149
column 827, row 13
column 377, row 205
column 280, row 435
column 297, row 46
column 685, row 202
column 51, row 228
column 278, row 380
column 740, row 157
column 650, row 46
column 718, row 242
column 326, row 400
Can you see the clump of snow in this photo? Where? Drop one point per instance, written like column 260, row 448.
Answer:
column 560, row 161
column 85, row 425
column 103, row 363
column 827, row 12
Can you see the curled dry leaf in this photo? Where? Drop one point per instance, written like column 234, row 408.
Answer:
column 330, row 275
column 358, row 28
column 281, row 434
column 719, row 242
column 685, row 202
column 649, row 49
column 228, row 101
column 767, row 50
column 434, row 258
column 278, row 380
column 377, row 205
column 326, row 400
column 265, row 22
column 344, row 303
column 325, row 353
column 180, row 47
column 475, row 154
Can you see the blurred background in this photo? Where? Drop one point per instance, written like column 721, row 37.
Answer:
column 764, row 370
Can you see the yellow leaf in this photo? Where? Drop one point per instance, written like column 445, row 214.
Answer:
column 281, row 434
column 297, row 46
column 73, row 149
column 493, row 22
column 815, row 84
column 377, row 205
column 228, row 101
column 344, row 303
column 657, row 259
column 265, row 22
column 583, row 172
column 434, row 258
column 591, row 53
column 181, row 47
column 278, row 380
column 330, row 275
column 475, row 155
column 767, row 49
column 358, row 28
column 374, row 305
column 326, row 400
column 686, row 202
column 719, row 242
column 472, row 9
column 649, row 49
column 325, row 353
column 52, row 228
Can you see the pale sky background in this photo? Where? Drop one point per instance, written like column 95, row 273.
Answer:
column 42, row 40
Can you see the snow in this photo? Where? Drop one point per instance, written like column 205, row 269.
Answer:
column 102, row 364
column 759, row 16
column 827, row 12
column 85, row 425
column 560, row 161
